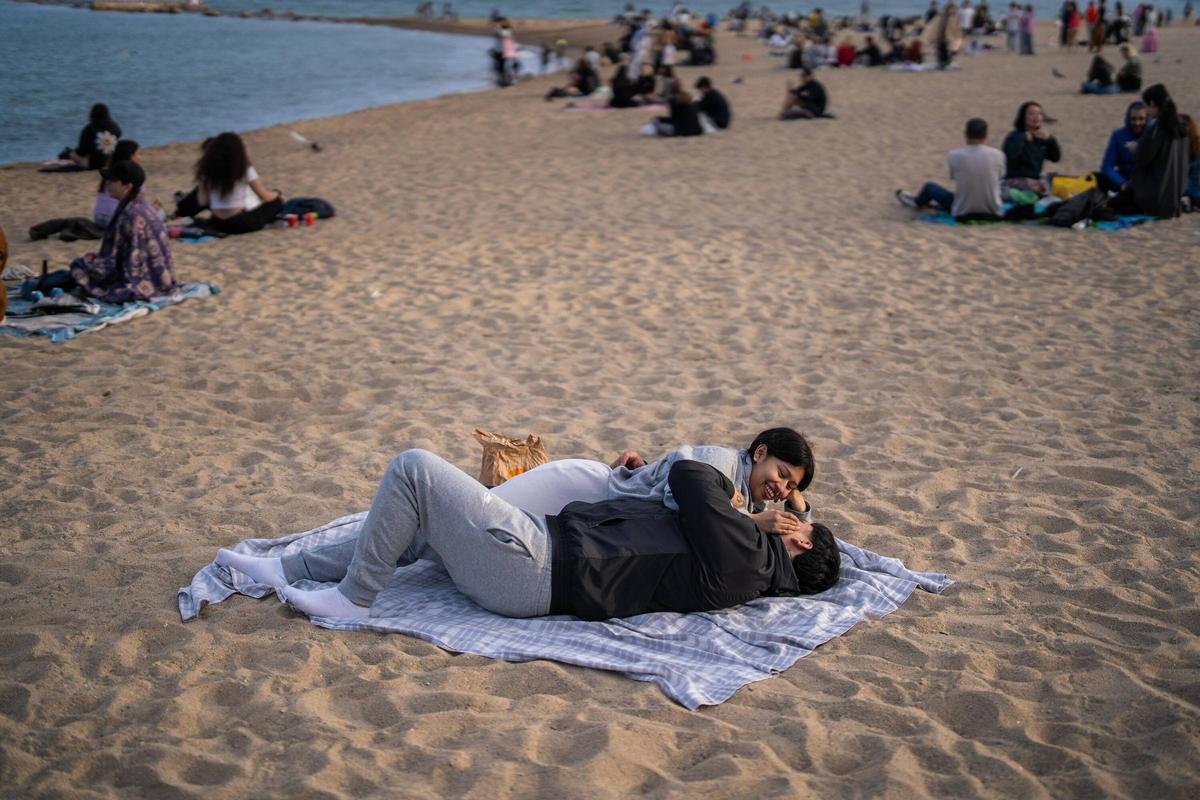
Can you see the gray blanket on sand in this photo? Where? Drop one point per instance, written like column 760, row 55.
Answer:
column 697, row 659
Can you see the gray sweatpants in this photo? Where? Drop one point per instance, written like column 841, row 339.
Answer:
column 497, row 554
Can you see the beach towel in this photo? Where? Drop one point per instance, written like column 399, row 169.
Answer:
column 62, row 327
column 1122, row 222
column 696, row 659
column 604, row 106
column 61, row 165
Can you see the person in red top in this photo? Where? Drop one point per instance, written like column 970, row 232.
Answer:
column 846, row 54
column 1074, row 23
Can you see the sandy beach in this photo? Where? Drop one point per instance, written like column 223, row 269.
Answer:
column 1015, row 406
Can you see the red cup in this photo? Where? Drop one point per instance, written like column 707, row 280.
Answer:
column 310, row 218
column 291, row 220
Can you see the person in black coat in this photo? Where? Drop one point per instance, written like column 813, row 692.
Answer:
column 684, row 120
column 713, row 104
column 97, row 139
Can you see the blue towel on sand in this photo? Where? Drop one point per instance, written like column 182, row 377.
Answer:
column 61, row 327
column 696, row 659
column 1119, row 224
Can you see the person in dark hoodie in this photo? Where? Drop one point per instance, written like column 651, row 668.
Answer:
column 713, row 104
column 1160, row 165
column 611, row 559
column 1117, row 167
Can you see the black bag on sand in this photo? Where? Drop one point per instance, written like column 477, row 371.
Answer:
column 1089, row 205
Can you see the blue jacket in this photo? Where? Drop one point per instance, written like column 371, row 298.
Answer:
column 1118, row 159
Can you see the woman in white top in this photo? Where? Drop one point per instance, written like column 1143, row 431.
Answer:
column 230, row 187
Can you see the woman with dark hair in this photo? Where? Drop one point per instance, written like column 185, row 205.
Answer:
column 777, row 467
column 683, row 119
column 229, row 186
column 106, row 204
column 134, row 262
column 96, row 140
column 1160, row 166
column 1027, row 147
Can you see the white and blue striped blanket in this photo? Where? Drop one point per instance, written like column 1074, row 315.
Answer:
column 697, row 659
column 64, row 327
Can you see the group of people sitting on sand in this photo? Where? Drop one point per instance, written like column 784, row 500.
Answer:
column 134, row 261
column 1102, row 80
column 689, row 532
column 1150, row 167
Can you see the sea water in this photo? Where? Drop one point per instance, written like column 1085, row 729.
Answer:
column 169, row 78
column 186, row 76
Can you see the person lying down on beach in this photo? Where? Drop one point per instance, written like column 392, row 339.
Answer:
column 777, row 467
column 614, row 558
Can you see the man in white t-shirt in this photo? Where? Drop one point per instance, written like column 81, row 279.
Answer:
column 976, row 170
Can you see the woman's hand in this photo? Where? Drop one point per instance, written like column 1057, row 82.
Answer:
column 629, row 460
column 796, row 502
column 780, row 523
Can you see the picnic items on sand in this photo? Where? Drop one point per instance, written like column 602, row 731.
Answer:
column 1065, row 187
column 504, row 458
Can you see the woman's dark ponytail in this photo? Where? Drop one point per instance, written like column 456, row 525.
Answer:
column 138, row 176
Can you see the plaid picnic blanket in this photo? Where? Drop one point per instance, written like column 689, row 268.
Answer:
column 696, row 659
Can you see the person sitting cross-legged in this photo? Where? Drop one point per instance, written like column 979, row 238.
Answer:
column 976, row 170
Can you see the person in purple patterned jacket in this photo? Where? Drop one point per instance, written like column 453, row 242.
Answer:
column 134, row 262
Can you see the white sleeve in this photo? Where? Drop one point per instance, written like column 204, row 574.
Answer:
column 546, row 489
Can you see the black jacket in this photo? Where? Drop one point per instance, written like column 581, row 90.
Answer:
column 717, row 107
column 812, row 96
column 684, row 119
column 623, row 557
column 1026, row 156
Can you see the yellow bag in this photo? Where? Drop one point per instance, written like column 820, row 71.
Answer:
column 504, row 458
column 1065, row 187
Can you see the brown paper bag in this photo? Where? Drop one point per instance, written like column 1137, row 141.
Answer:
column 504, row 457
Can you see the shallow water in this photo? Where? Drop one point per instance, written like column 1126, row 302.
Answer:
column 181, row 77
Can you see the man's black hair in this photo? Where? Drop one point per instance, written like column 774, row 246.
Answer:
column 704, row 83
column 817, row 569
column 790, row 446
column 976, row 128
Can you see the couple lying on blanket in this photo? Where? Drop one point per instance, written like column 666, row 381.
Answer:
column 689, row 532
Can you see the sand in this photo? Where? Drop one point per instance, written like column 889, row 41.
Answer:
column 1014, row 406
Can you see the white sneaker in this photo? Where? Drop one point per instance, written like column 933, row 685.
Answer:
column 907, row 198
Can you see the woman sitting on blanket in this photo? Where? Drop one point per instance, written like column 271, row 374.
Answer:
column 1026, row 148
column 228, row 185
column 134, row 262
column 617, row 557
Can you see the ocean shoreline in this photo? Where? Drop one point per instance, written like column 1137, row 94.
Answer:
column 579, row 34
